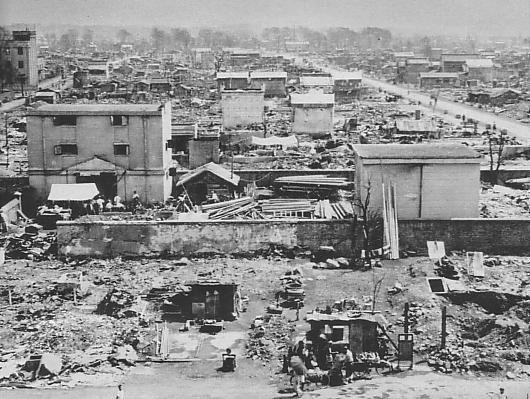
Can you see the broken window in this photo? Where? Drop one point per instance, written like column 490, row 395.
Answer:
column 121, row 149
column 119, row 120
column 66, row 149
column 20, row 64
column 20, row 50
column 65, row 120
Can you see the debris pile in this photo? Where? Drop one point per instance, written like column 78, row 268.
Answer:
column 269, row 338
column 33, row 246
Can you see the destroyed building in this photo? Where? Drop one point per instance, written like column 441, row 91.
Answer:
column 433, row 181
column 272, row 82
column 21, row 52
column 232, row 80
column 347, row 86
column 121, row 148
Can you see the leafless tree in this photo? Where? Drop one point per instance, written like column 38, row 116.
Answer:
column 496, row 143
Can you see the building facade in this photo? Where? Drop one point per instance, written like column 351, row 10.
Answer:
column 242, row 107
column 431, row 181
column 347, row 86
column 431, row 80
column 312, row 113
column 121, row 148
column 22, row 53
column 273, row 82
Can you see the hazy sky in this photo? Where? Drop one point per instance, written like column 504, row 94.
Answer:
column 481, row 17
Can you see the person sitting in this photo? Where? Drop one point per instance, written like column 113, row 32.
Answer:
column 229, row 360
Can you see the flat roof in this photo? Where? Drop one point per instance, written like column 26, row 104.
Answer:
column 480, row 63
column 268, row 75
column 97, row 109
column 339, row 75
column 231, row 75
column 438, row 75
column 316, row 81
column 416, row 151
column 312, row 98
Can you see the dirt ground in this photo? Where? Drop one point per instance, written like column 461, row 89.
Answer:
column 195, row 374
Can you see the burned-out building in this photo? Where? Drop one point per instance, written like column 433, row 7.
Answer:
column 432, row 181
column 21, row 52
column 272, row 82
column 347, row 86
column 312, row 113
column 122, row 148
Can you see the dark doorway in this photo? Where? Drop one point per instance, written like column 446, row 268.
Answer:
column 105, row 182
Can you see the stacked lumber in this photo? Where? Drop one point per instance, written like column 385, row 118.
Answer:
column 287, row 207
column 241, row 208
column 338, row 210
column 312, row 182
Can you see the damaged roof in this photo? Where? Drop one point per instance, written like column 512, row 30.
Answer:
column 213, row 168
column 415, row 151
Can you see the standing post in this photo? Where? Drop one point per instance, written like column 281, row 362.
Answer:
column 406, row 322
column 10, row 297
column 444, row 326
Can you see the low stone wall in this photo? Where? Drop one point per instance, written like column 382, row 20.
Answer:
column 149, row 238
column 492, row 236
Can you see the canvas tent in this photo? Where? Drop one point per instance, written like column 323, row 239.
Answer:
column 73, row 192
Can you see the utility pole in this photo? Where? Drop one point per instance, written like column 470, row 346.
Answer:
column 406, row 321
column 444, row 326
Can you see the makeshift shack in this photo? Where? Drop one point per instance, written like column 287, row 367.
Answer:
column 69, row 199
column 206, row 299
column 208, row 181
column 357, row 331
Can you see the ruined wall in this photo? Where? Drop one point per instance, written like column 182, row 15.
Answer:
column 139, row 238
column 492, row 236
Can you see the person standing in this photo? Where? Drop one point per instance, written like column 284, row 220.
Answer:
column 120, row 394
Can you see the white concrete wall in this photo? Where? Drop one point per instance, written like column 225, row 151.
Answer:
column 242, row 108
column 312, row 120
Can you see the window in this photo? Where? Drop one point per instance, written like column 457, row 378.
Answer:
column 121, row 149
column 119, row 120
column 20, row 50
column 66, row 149
column 20, row 64
column 65, row 120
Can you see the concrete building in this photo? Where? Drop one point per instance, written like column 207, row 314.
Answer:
column 410, row 72
column 312, row 113
column 318, row 82
column 480, row 69
column 432, row 181
column 98, row 71
column 431, row 80
column 272, row 82
column 242, row 107
column 347, row 86
column 22, row 53
column 203, row 58
column 232, row 80
column 455, row 62
column 122, row 148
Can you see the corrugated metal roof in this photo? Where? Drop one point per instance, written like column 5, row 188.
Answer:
column 413, row 125
column 415, row 151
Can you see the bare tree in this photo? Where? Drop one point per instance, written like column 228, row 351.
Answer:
column 496, row 143
column 371, row 224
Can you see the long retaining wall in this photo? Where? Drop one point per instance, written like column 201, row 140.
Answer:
column 160, row 238
column 150, row 238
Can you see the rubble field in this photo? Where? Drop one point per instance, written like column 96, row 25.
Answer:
column 94, row 334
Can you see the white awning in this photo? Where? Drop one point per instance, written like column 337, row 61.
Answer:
column 73, row 192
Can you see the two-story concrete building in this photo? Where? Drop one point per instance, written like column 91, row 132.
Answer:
column 232, row 80
column 122, row 148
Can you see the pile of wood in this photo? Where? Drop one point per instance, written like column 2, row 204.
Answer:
column 241, row 208
column 339, row 210
column 287, row 207
column 312, row 183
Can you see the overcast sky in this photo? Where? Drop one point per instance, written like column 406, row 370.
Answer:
column 477, row 17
